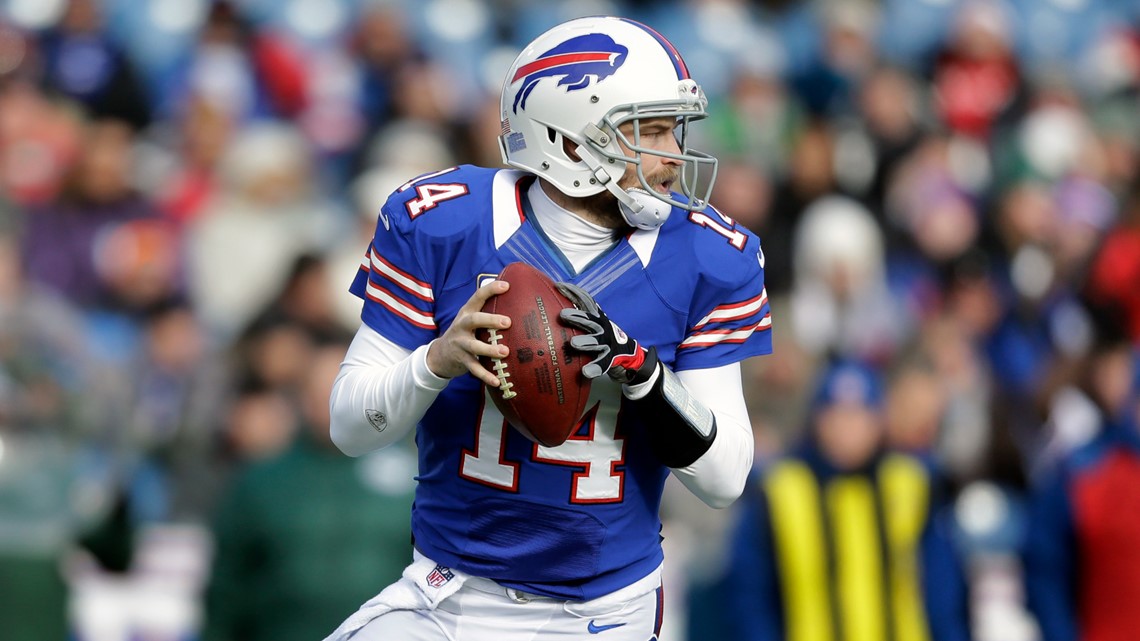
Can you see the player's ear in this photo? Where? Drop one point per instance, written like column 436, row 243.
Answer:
column 568, row 148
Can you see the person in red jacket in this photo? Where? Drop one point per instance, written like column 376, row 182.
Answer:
column 1115, row 269
column 1082, row 561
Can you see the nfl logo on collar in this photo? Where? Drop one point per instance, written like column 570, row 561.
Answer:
column 439, row 576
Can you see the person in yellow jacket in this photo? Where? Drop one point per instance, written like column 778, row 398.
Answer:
column 843, row 540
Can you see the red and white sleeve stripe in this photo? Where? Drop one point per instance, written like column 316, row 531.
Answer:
column 389, row 286
column 405, row 281
column 711, row 330
column 734, row 311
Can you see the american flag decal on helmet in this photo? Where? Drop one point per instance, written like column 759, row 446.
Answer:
column 514, row 139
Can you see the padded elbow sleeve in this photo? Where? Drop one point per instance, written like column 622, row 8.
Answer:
column 680, row 428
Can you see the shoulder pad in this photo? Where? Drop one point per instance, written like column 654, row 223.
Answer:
column 441, row 203
column 723, row 250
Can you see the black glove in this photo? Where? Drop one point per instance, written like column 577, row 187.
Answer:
column 615, row 353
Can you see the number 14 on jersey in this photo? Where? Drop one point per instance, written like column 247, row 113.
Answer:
column 595, row 450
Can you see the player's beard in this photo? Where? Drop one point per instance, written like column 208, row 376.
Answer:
column 603, row 206
column 602, row 209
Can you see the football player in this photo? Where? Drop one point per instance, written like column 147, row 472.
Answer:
column 514, row 540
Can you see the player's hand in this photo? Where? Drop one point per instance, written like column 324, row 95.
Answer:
column 615, row 353
column 457, row 351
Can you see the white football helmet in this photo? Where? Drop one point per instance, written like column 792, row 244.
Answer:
column 582, row 80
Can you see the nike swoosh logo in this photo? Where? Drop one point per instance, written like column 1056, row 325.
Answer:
column 595, row 629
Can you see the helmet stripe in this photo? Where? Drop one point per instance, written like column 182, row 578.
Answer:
column 674, row 55
column 550, row 62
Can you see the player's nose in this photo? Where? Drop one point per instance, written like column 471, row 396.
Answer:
column 672, row 146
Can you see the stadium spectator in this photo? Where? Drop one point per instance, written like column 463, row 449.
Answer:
column 1115, row 268
column 844, row 538
column 1082, row 563
column 61, row 238
column 269, row 194
column 80, row 61
column 302, row 537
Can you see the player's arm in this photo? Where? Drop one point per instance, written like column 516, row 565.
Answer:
column 384, row 389
column 380, row 393
column 704, row 437
column 718, row 476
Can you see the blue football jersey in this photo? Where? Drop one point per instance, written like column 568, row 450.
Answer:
column 579, row 520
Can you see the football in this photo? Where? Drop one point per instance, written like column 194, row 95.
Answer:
column 542, row 391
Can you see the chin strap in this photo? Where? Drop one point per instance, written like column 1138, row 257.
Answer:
column 646, row 212
column 638, row 207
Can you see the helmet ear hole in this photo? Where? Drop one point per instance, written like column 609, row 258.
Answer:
column 567, row 145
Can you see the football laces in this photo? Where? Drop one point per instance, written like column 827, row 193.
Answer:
column 500, row 367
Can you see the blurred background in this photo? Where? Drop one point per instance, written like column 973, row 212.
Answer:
column 946, row 190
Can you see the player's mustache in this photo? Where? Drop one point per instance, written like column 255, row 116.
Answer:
column 662, row 176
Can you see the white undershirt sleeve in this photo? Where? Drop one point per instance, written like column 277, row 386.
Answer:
column 380, row 393
column 718, row 476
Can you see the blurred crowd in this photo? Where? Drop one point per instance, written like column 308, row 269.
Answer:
column 947, row 192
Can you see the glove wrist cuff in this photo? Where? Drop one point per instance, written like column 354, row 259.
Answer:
column 648, row 367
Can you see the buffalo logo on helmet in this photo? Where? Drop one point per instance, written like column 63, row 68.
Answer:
column 579, row 60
